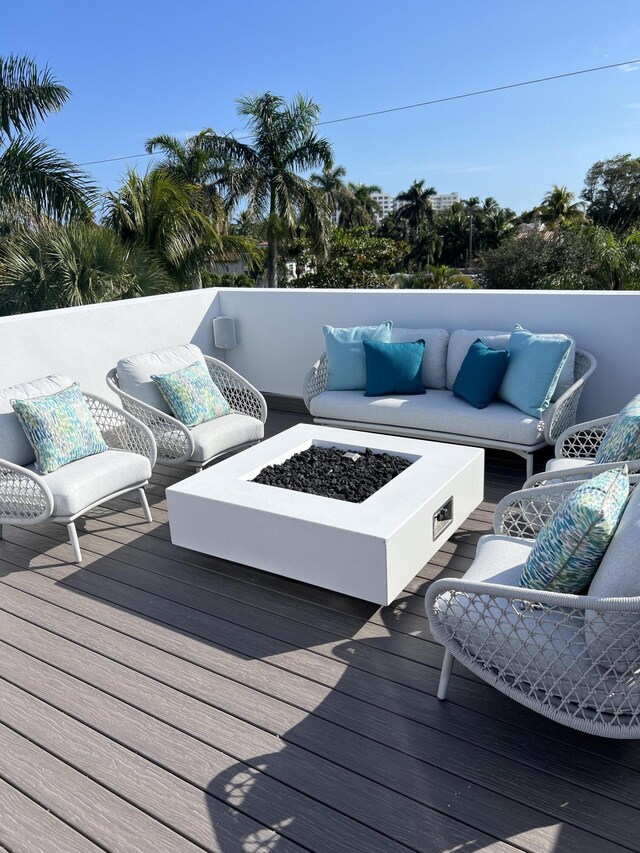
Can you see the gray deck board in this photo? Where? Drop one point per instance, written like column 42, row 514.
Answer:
column 156, row 698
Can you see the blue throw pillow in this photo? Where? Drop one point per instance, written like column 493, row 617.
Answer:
column 394, row 368
column 480, row 374
column 192, row 395
column 346, row 364
column 622, row 439
column 572, row 543
column 535, row 364
column 60, row 428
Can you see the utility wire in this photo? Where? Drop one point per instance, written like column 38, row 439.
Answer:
column 427, row 103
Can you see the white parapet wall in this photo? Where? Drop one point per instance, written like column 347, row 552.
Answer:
column 279, row 332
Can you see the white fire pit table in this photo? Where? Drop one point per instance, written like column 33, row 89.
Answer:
column 370, row 550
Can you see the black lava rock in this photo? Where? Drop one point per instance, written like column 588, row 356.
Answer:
column 331, row 473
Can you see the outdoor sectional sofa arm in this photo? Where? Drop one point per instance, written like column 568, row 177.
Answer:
column 173, row 440
column 239, row 393
column 564, row 412
column 25, row 498
column 316, row 380
column 122, row 430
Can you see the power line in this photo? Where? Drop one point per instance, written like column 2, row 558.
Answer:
column 426, row 103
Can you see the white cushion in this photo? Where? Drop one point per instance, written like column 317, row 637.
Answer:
column 567, row 464
column 135, row 372
column 544, row 643
column 615, row 637
column 14, row 445
column 461, row 340
column 225, row 433
column 434, row 363
column 436, row 411
column 79, row 484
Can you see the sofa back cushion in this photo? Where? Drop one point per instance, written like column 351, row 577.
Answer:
column 434, row 363
column 613, row 639
column 14, row 444
column 135, row 372
column 462, row 339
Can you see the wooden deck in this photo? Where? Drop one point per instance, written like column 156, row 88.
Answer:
column 156, row 700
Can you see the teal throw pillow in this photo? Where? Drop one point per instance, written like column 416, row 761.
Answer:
column 572, row 543
column 480, row 374
column 622, row 439
column 535, row 364
column 346, row 366
column 192, row 395
column 60, row 428
column 394, row 368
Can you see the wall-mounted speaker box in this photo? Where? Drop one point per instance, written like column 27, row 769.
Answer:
column 224, row 332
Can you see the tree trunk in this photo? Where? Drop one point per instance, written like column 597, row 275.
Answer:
column 196, row 281
column 272, row 248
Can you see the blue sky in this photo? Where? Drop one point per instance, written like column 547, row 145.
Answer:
column 137, row 69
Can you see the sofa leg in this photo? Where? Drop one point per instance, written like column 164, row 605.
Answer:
column 73, row 536
column 445, row 674
column 529, row 460
column 145, row 505
column 1, row 536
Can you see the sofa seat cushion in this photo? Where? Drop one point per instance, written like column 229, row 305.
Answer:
column 227, row 432
column 434, row 363
column 436, row 411
column 135, row 372
column 14, row 444
column 79, row 484
column 529, row 648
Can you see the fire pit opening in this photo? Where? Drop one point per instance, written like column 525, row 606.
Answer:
column 345, row 475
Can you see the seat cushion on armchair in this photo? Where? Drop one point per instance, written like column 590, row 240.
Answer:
column 614, row 638
column 564, row 464
column 82, row 483
column 436, row 411
column 135, row 372
column 14, row 444
column 529, row 648
column 224, row 433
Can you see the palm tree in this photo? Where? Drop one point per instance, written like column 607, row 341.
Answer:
column 157, row 212
column 416, row 206
column 269, row 172
column 427, row 248
column 31, row 173
column 446, row 278
column 359, row 208
column 193, row 162
column 331, row 183
column 559, row 207
column 55, row 266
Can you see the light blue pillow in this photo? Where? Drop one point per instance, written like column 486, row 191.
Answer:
column 574, row 540
column 622, row 439
column 535, row 364
column 192, row 395
column 347, row 369
column 60, row 428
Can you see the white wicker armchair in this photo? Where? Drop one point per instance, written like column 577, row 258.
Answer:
column 572, row 658
column 178, row 444
column 575, row 452
column 28, row 498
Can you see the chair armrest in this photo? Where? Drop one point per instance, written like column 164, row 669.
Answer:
column 583, row 440
column 579, row 473
column 121, row 429
column 316, row 380
column 565, row 409
column 239, row 392
column 25, row 498
column 523, row 514
column 174, row 442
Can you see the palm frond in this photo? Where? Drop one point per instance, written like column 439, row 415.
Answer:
column 27, row 94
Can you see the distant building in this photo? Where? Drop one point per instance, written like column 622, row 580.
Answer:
column 389, row 203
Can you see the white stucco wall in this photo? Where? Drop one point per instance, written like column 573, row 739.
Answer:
column 86, row 342
column 280, row 332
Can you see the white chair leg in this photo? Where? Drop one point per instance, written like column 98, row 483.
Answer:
column 445, row 674
column 529, row 458
column 73, row 536
column 145, row 504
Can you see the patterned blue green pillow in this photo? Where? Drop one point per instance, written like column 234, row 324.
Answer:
column 622, row 440
column 192, row 395
column 572, row 543
column 60, row 428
